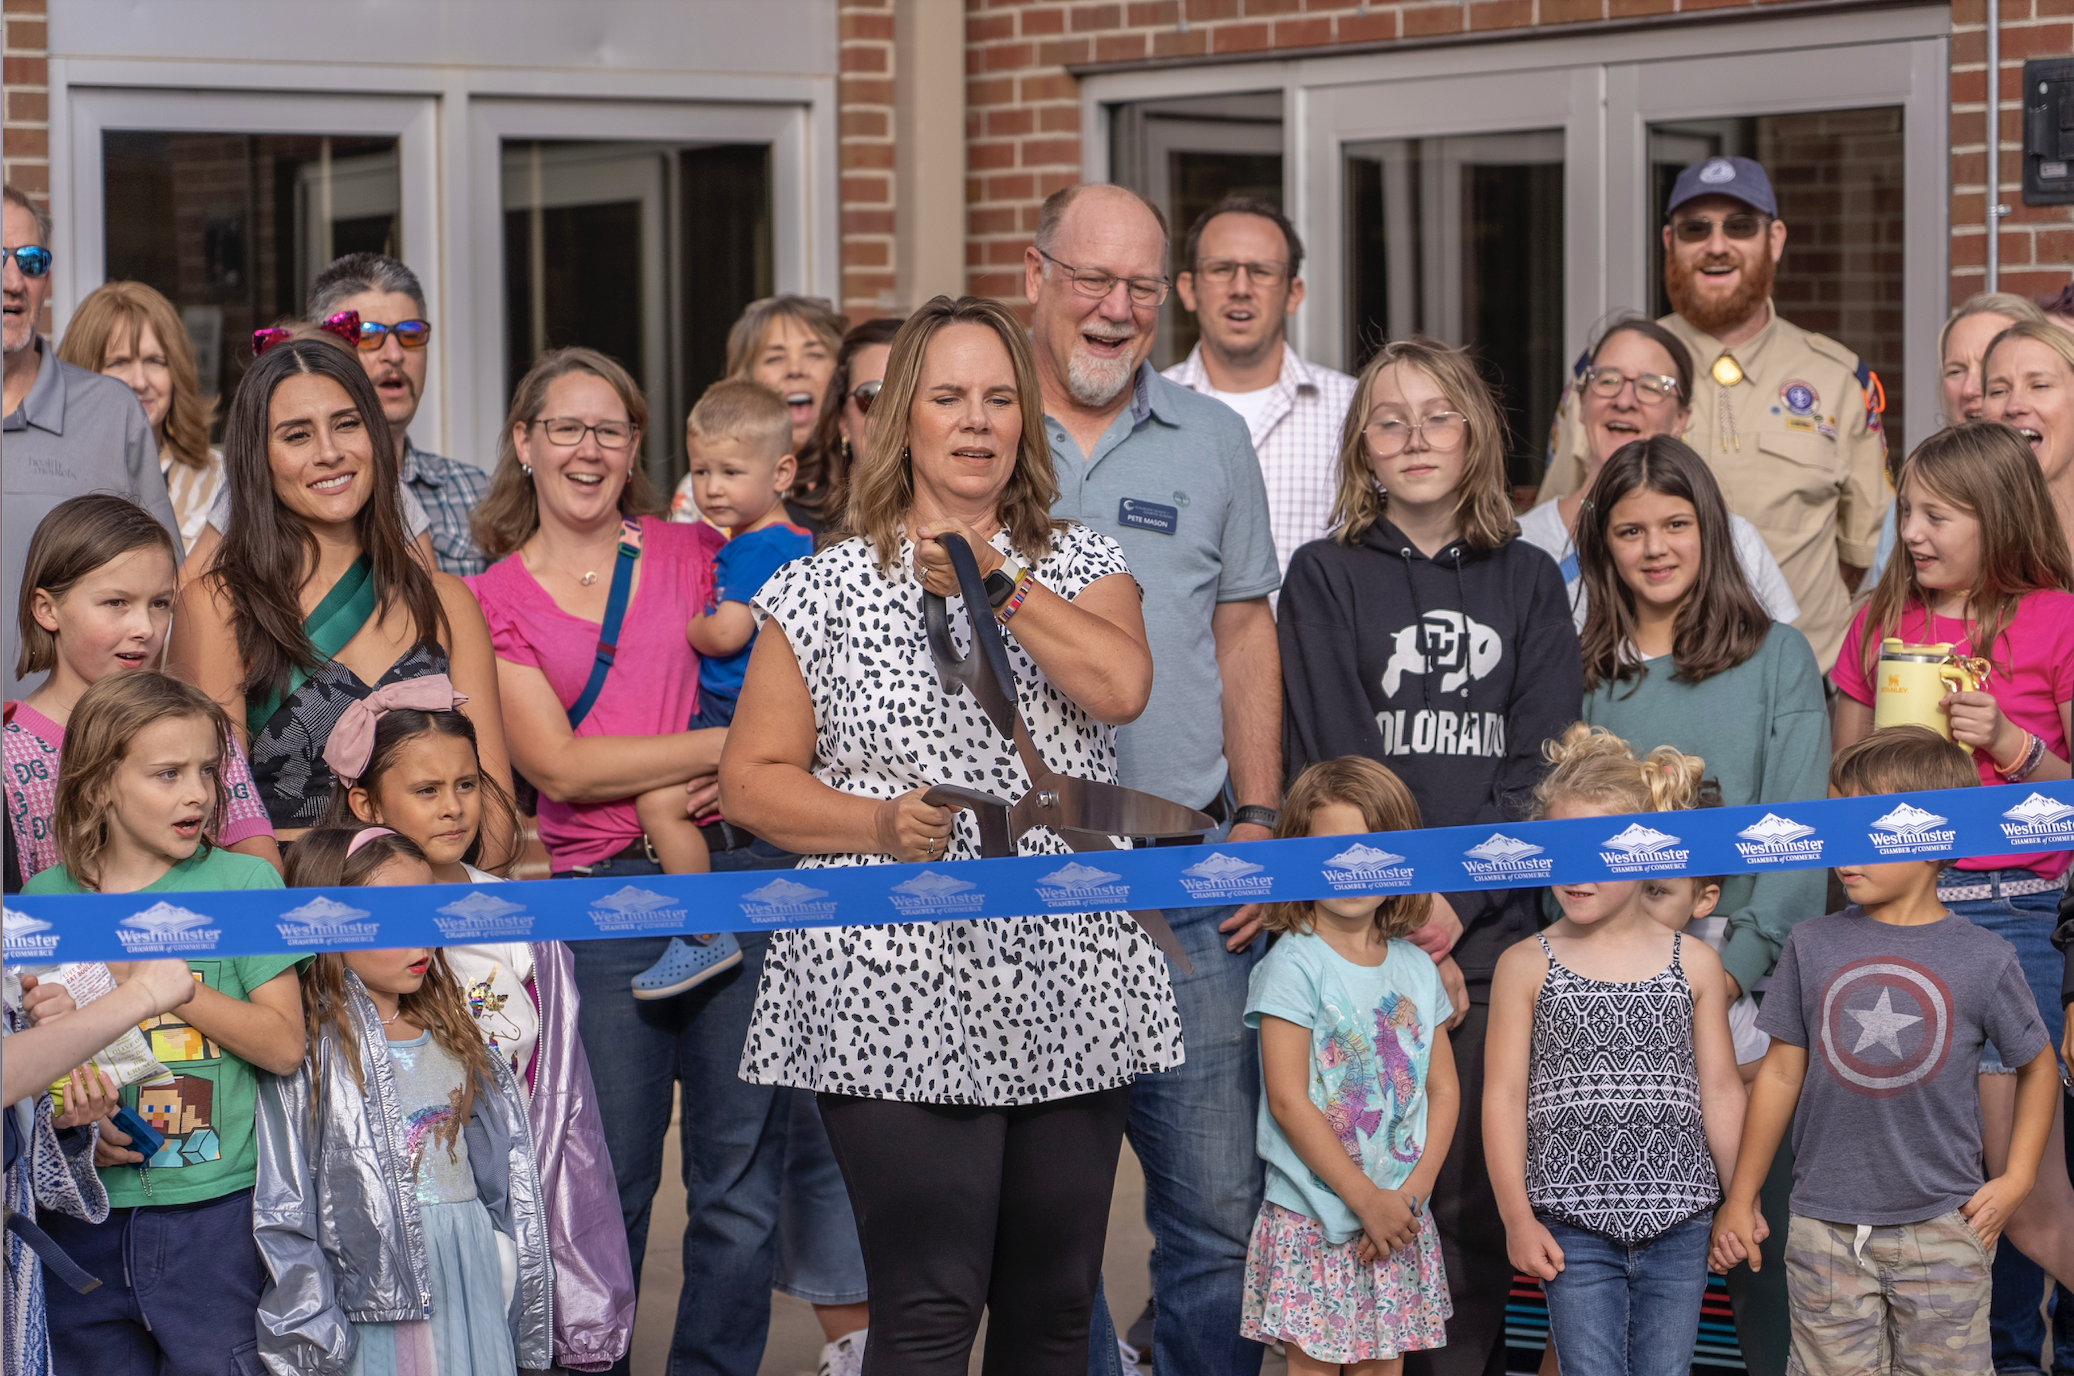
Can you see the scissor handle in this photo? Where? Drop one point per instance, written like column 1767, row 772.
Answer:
column 985, row 671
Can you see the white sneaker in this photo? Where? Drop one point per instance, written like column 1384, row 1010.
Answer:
column 844, row 1356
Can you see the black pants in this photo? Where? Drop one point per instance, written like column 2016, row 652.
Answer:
column 1472, row 1235
column 963, row 1210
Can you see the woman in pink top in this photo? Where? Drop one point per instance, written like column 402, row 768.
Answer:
column 97, row 599
column 1983, row 564
column 568, row 475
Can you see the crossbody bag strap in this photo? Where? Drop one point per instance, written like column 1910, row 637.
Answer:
column 615, row 612
column 330, row 626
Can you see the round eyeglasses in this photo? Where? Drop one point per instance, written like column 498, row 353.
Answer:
column 1606, row 381
column 1388, row 437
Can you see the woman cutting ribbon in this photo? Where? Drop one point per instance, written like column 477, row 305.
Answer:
column 972, row 1074
column 314, row 600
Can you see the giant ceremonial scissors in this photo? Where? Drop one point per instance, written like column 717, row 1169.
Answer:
column 1085, row 813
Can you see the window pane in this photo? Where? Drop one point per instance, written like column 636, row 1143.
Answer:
column 1462, row 239
column 1839, row 177
column 233, row 227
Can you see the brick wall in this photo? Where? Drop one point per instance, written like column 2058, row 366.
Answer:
column 25, row 115
column 865, row 100
column 2037, row 242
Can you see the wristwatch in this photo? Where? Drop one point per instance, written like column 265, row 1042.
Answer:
column 1253, row 814
column 1001, row 582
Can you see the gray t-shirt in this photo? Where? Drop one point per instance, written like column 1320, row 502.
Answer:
column 1175, row 482
column 1888, row 1129
column 75, row 433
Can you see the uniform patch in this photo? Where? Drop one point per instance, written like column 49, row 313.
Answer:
column 1800, row 398
column 1800, row 423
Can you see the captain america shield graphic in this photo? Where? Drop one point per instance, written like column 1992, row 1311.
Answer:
column 1886, row 1026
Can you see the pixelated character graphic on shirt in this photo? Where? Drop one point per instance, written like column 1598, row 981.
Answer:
column 1886, row 1026
column 180, row 1110
column 174, row 1042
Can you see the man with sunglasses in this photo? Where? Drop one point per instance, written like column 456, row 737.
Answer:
column 1243, row 282
column 1789, row 420
column 393, row 338
column 68, row 432
column 1171, row 477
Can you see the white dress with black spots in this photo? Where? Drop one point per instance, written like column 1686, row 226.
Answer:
column 1000, row 1012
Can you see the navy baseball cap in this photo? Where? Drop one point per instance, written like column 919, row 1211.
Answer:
column 1721, row 176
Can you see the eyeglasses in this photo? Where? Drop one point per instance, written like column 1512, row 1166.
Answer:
column 1442, row 429
column 32, row 259
column 345, row 324
column 411, row 334
column 865, row 393
column 1144, row 291
column 1606, row 381
column 568, row 432
column 1700, row 228
column 1266, row 273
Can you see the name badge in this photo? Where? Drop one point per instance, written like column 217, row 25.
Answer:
column 1148, row 515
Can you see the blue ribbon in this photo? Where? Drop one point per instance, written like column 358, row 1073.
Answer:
column 1956, row 823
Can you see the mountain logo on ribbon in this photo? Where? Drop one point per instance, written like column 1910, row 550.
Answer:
column 2038, row 819
column 1910, row 821
column 632, row 900
column 166, row 927
column 1773, row 839
column 930, row 893
column 1501, row 848
column 782, row 898
column 1360, row 856
column 1076, row 885
column 1226, row 876
column 631, row 909
column 1639, row 840
column 326, row 922
column 1362, row 867
column 484, row 917
column 24, row 938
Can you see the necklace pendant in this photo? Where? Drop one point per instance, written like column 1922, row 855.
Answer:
column 589, row 578
column 1727, row 371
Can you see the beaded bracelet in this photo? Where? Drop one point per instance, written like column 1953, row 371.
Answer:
column 2033, row 753
column 1024, row 581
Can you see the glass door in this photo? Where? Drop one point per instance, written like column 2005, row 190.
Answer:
column 1461, row 238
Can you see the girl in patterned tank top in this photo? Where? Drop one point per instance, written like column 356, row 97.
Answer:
column 1611, row 1102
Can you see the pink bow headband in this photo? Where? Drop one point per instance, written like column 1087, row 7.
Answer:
column 351, row 743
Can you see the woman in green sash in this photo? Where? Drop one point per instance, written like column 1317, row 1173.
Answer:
column 315, row 600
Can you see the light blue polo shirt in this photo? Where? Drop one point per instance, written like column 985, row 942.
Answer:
column 1174, row 480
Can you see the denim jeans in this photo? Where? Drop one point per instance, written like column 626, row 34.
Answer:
column 1617, row 1309
column 732, row 1134
column 2025, row 922
column 1193, row 1130
column 2017, row 1322
column 819, row 1258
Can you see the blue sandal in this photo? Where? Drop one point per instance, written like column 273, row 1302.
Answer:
column 688, row 964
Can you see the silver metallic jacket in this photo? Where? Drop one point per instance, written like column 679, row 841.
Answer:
column 348, row 1246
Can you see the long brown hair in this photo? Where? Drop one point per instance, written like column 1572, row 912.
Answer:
column 1483, row 511
column 397, row 728
column 103, row 726
column 80, row 535
column 1385, row 804
column 1721, row 623
column 882, row 486
column 119, row 311
column 824, row 467
column 509, row 512
column 267, row 554
column 320, row 861
column 1985, row 467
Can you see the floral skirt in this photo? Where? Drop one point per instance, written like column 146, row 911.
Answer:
column 1318, row 1295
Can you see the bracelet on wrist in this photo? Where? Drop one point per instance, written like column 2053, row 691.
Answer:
column 2033, row 752
column 1024, row 581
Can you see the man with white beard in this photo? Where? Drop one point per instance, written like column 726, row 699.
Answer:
column 1789, row 420
column 1171, row 476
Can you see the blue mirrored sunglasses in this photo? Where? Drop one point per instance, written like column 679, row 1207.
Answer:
column 32, row 259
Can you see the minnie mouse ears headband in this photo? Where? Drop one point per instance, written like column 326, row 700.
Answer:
column 351, row 743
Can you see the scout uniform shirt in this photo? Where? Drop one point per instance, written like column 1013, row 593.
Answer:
column 1793, row 436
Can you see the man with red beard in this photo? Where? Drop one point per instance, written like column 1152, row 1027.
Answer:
column 1789, row 420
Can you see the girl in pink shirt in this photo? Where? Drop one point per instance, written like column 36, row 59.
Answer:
column 97, row 599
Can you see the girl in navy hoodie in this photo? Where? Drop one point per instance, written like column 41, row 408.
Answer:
column 1426, row 635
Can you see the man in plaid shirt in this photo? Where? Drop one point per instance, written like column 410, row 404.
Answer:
column 1243, row 281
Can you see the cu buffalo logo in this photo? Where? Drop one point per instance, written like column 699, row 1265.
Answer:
column 1886, row 1026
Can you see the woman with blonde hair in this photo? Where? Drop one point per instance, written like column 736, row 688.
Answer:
column 1425, row 635
column 131, row 332
column 2028, row 373
column 977, row 1117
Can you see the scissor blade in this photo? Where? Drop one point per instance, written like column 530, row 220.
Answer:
column 1065, row 803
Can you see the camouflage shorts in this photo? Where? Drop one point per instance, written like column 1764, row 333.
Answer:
column 1910, row 1299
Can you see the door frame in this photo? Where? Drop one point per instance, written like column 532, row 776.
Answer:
column 1603, row 90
